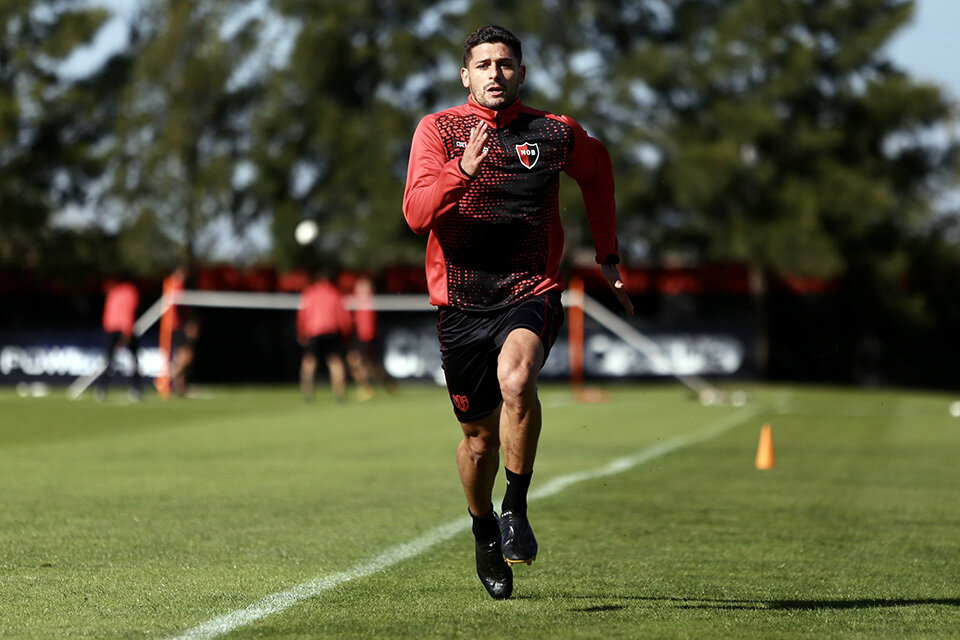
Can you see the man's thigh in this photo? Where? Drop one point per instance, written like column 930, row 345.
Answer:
column 521, row 358
column 541, row 315
column 471, row 346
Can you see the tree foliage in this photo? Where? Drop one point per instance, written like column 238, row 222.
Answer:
column 791, row 141
column 183, row 133
column 331, row 138
column 49, row 127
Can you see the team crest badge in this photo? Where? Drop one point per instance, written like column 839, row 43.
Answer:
column 461, row 402
column 529, row 153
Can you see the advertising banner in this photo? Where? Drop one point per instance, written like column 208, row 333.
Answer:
column 59, row 356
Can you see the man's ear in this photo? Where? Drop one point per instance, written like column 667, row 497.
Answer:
column 465, row 78
column 523, row 73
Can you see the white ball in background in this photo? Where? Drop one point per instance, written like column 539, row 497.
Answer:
column 955, row 409
column 306, row 232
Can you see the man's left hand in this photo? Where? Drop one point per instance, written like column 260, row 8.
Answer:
column 612, row 274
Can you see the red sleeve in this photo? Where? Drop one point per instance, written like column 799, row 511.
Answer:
column 590, row 166
column 434, row 183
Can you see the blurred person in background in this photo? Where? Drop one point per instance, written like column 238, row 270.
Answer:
column 185, row 329
column 483, row 182
column 363, row 357
column 119, row 317
column 323, row 325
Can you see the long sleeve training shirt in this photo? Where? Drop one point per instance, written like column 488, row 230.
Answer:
column 120, row 308
column 322, row 312
column 496, row 239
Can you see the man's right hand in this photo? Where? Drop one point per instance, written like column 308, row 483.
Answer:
column 476, row 151
column 612, row 274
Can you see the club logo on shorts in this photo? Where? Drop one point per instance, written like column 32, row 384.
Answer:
column 460, row 402
column 529, row 153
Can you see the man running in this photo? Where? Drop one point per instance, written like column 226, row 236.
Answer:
column 483, row 181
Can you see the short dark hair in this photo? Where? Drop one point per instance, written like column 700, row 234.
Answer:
column 490, row 34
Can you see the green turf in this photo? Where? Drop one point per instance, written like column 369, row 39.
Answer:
column 133, row 521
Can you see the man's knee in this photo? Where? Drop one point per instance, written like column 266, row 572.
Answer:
column 480, row 441
column 518, row 366
column 517, row 382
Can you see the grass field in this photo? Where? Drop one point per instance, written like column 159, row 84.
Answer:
column 151, row 520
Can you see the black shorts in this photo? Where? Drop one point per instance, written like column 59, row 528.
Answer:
column 180, row 340
column 325, row 345
column 369, row 349
column 116, row 338
column 186, row 336
column 470, row 342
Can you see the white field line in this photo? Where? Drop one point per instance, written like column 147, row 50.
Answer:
column 283, row 600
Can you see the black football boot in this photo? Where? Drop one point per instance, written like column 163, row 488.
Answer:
column 493, row 571
column 519, row 543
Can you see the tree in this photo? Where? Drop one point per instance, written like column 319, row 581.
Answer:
column 791, row 139
column 49, row 126
column 177, row 162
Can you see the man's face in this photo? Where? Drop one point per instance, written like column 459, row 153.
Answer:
column 493, row 75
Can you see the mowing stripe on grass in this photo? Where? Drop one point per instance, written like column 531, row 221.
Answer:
column 282, row 600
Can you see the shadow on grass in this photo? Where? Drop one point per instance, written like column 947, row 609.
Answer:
column 772, row 605
column 600, row 608
column 820, row 605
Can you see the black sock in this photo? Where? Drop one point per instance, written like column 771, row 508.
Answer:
column 485, row 527
column 515, row 499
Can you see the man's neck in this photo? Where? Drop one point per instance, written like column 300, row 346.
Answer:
column 496, row 117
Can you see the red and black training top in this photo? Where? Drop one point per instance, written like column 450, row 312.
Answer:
column 496, row 239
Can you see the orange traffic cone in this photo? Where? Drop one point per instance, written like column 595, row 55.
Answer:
column 765, row 457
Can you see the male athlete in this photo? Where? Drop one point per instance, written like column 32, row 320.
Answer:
column 185, row 328
column 322, row 325
column 119, row 318
column 483, row 181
